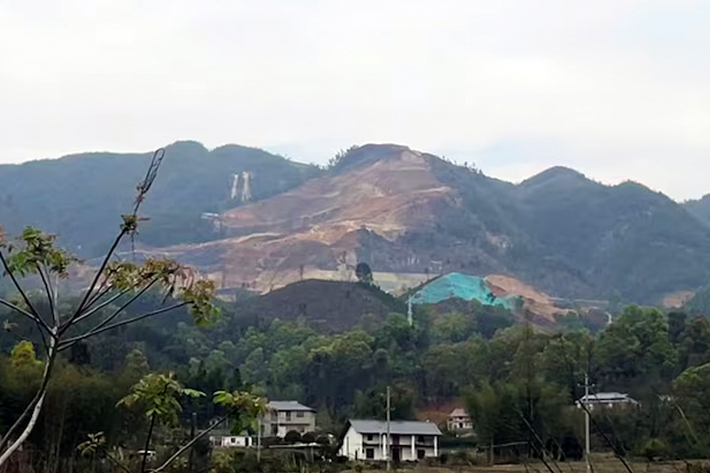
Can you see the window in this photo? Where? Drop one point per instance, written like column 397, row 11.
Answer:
column 421, row 439
column 299, row 414
column 421, row 454
column 288, row 415
column 370, row 453
column 369, row 437
column 395, row 439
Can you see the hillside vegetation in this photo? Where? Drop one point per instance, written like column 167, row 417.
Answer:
column 496, row 370
column 78, row 197
column 399, row 210
column 700, row 209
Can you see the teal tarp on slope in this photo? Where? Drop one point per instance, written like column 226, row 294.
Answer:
column 461, row 286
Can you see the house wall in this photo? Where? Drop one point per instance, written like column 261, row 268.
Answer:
column 357, row 446
column 352, row 447
column 279, row 423
column 459, row 424
column 234, row 441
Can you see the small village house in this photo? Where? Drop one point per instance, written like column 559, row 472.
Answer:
column 410, row 440
column 225, row 439
column 459, row 422
column 283, row 417
column 608, row 400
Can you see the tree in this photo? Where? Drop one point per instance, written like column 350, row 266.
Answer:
column 494, row 413
column 292, row 436
column 694, row 346
column 363, row 272
column 35, row 255
column 693, row 390
column 373, row 403
column 158, row 397
column 635, row 346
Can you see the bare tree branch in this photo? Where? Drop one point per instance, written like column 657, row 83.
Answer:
column 118, row 311
column 95, row 281
column 73, row 341
column 23, row 294
column 91, row 312
column 39, row 322
column 189, row 445
column 16, row 308
column 52, row 308
column 50, row 294
column 103, row 289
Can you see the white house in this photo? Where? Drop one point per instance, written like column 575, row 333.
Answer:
column 225, row 439
column 459, row 421
column 608, row 400
column 410, row 440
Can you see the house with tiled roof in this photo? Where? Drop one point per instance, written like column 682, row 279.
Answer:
column 408, row 440
column 283, row 417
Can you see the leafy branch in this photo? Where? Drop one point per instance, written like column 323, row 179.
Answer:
column 34, row 254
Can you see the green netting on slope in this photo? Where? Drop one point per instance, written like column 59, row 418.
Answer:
column 461, row 286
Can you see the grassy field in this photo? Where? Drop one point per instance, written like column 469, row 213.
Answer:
column 600, row 465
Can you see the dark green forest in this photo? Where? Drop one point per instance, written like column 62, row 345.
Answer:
column 511, row 377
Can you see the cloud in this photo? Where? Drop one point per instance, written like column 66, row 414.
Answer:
column 616, row 89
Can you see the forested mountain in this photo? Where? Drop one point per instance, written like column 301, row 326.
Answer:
column 700, row 209
column 403, row 212
column 80, row 197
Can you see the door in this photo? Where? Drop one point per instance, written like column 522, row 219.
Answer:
column 396, row 455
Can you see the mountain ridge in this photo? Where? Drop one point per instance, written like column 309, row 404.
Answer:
column 403, row 211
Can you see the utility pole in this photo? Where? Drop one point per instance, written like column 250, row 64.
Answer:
column 389, row 445
column 410, row 315
column 192, row 436
column 587, row 448
column 258, row 441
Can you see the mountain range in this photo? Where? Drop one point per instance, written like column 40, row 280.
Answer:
column 251, row 219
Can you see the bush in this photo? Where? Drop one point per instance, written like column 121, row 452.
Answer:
column 654, row 449
column 292, row 437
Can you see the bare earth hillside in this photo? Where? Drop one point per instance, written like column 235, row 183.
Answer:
column 250, row 219
column 412, row 216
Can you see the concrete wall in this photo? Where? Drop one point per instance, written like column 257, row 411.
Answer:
column 279, row 423
column 363, row 447
column 230, row 441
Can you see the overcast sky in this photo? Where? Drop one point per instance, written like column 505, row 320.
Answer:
column 616, row 89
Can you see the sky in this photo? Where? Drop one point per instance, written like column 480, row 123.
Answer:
column 616, row 89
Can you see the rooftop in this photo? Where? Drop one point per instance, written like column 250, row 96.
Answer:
column 397, row 427
column 606, row 397
column 288, row 406
column 458, row 412
column 227, row 433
